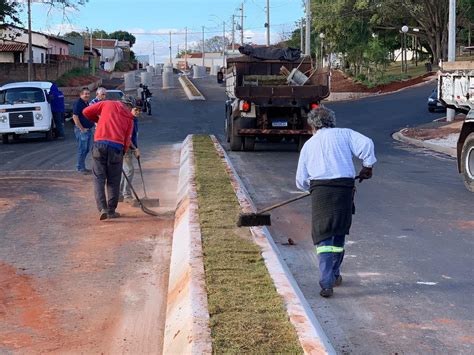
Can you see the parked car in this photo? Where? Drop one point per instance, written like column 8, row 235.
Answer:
column 433, row 103
column 25, row 108
column 114, row 95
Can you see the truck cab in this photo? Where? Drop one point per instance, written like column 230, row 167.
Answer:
column 25, row 108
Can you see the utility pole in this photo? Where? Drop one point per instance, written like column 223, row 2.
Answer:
column 223, row 44
column 233, row 33
column 450, row 113
column 30, row 45
column 203, row 53
column 171, row 60
column 302, row 36
column 307, row 50
column 268, row 23
column 186, row 48
column 154, row 61
column 242, row 25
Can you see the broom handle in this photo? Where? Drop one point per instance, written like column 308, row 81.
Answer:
column 279, row 204
column 283, row 203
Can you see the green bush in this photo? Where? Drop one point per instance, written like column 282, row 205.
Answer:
column 76, row 72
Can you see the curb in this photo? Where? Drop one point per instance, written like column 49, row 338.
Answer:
column 310, row 333
column 353, row 96
column 187, row 317
column 399, row 136
column 190, row 89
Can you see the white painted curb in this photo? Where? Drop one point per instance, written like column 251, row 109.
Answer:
column 188, row 92
column 399, row 136
column 187, row 316
column 310, row 333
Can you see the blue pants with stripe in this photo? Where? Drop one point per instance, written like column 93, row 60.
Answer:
column 331, row 253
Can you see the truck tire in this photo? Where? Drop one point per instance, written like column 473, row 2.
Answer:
column 235, row 139
column 467, row 162
column 249, row 144
column 5, row 138
column 50, row 134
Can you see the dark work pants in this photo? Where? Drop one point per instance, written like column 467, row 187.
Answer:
column 331, row 253
column 107, row 170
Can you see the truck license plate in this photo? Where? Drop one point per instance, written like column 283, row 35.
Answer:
column 280, row 124
column 21, row 131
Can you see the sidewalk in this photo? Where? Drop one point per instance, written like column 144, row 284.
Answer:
column 439, row 135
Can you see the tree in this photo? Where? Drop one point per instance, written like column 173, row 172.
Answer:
column 123, row 36
column 431, row 16
column 73, row 34
column 213, row 44
column 8, row 13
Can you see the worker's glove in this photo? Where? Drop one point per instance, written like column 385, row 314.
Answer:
column 365, row 174
column 136, row 152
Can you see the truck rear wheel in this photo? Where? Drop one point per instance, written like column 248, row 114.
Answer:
column 249, row 143
column 467, row 162
column 235, row 139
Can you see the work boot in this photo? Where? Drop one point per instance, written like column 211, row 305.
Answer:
column 103, row 215
column 338, row 281
column 326, row 292
column 113, row 214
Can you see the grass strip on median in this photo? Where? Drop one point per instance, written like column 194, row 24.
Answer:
column 246, row 312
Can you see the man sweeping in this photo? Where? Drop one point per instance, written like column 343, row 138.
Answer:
column 326, row 169
column 111, row 140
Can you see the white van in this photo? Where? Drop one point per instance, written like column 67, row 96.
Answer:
column 25, row 108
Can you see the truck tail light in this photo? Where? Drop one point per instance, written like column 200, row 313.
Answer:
column 246, row 106
column 314, row 105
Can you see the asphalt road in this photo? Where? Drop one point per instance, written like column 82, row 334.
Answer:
column 408, row 284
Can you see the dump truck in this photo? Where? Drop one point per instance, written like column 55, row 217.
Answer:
column 456, row 91
column 269, row 99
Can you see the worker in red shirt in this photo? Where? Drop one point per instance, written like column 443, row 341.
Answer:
column 112, row 138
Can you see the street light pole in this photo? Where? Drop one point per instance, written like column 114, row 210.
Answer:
column 242, row 24
column 404, row 49
column 268, row 23
column 30, row 45
column 186, row 48
column 450, row 113
column 171, row 60
column 307, row 50
column 233, row 33
column 223, row 43
column 203, row 46
column 321, row 36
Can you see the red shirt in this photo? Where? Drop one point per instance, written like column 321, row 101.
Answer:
column 114, row 122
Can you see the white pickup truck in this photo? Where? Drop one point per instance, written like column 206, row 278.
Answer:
column 456, row 90
column 25, row 108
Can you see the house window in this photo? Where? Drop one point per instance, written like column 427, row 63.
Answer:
column 60, row 51
column 42, row 58
column 17, row 57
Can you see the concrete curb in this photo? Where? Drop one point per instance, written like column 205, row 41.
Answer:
column 353, row 96
column 399, row 136
column 189, row 88
column 187, row 317
column 311, row 336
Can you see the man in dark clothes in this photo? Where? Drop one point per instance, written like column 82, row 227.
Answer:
column 57, row 108
column 325, row 168
column 112, row 138
column 83, row 130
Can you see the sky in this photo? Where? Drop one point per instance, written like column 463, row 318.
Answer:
column 152, row 20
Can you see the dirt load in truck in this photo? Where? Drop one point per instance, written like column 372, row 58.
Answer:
column 269, row 97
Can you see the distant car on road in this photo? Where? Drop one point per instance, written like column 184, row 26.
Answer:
column 433, row 102
column 114, row 95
